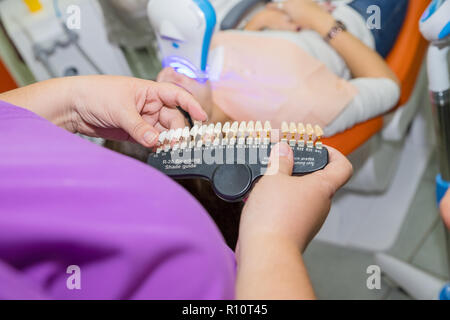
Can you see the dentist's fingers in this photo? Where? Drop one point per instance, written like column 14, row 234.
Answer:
column 173, row 96
column 138, row 129
column 281, row 160
column 171, row 119
column 338, row 171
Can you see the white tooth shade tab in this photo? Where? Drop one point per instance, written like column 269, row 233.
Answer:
column 177, row 134
column 203, row 130
column 186, row 133
column 226, row 128
column 194, row 131
column 170, row 135
column 243, row 128
column 250, row 127
column 218, row 129
column 235, row 127
column 210, row 130
column 162, row 137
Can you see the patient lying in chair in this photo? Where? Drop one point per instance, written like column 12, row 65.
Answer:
column 286, row 65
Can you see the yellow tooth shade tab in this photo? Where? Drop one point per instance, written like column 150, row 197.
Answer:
column 319, row 135
column 310, row 133
column 258, row 128
column 285, row 130
column 267, row 128
column 301, row 130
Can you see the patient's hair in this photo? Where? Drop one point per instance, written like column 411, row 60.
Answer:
column 225, row 215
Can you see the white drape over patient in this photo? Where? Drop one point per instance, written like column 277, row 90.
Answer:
column 273, row 79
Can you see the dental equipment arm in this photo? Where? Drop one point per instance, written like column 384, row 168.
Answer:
column 435, row 26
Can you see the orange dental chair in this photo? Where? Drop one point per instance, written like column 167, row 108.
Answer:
column 406, row 60
column 390, row 153
column 7, row 82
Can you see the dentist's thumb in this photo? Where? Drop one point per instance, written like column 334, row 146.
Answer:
column 281, row 160
column 139, row 130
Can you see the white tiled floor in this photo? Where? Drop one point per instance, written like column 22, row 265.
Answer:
column 340, row 273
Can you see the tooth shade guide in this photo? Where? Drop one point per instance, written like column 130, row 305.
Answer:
column 306, row 160
column 241, row 133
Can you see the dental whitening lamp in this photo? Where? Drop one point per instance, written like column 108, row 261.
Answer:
column 184, row 29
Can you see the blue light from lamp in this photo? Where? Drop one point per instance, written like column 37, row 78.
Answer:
column 185, row 67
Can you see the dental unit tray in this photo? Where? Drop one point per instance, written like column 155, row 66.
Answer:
column 234, row 156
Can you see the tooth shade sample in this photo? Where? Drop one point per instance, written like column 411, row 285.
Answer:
column 235, row 127
column 243, row 128
column 250, row 127
column 309, row 130
column 218, row 129
column 162, row 137
column 293, row 128
column 186, row 133
column 210, row 130
column 284, row 127
column 170, row 135
column 258, row 127
column 194, row 131
column 177, row 134
column 203, row 130
column 226, row 128
column 301, row 129
column 319, row 131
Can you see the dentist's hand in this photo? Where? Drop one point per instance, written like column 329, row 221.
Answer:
column 122, row 108
column 279, row 219
column 290, row 209
column 118, row 108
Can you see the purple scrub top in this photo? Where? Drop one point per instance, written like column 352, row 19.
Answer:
column 133, row 232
